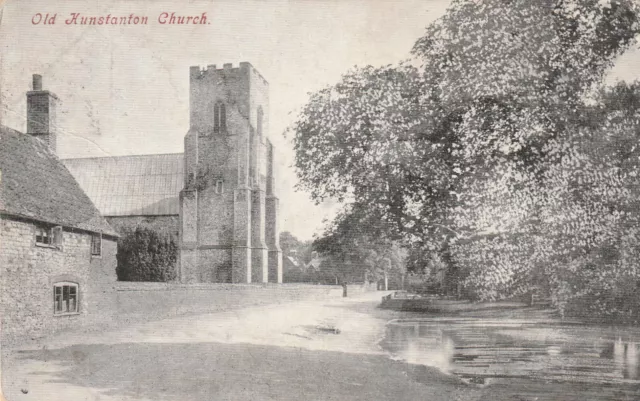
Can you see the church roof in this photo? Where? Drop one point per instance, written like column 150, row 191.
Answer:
column 37, row 186
column 143, row 185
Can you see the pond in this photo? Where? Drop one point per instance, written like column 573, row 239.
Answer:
column 543, row 360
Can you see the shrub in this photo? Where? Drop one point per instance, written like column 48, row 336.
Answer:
column 146, row 255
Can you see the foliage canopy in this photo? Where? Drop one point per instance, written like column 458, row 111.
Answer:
column 497, row 146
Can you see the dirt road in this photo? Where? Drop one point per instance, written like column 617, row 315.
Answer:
column 320, row 350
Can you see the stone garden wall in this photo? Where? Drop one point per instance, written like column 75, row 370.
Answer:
column 149, row 301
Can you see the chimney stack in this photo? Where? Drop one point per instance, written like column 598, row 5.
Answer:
column 41, row 113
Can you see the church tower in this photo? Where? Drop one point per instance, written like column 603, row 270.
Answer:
column 228, row 207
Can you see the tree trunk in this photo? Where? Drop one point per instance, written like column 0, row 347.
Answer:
column 386, row 281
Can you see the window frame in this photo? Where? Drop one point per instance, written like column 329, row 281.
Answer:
column 219, row 188
column 76, row 292
column 53, row 235
column 42, row 229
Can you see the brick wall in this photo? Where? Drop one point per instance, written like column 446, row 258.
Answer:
column 29, row 273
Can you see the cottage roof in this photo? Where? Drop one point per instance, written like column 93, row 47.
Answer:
column 143, row 185
column 316, row 262
column 36, row 185
column 291, row 260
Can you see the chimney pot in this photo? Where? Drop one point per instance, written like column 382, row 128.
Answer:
column 37, row 82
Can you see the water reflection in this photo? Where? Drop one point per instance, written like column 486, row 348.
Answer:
column 625, row 356
column 484, row 351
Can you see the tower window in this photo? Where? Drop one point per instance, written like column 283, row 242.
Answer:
column 260, row 117
column 219, row 117
column 219, row 187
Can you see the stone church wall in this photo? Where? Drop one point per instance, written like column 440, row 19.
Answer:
column 206, row 265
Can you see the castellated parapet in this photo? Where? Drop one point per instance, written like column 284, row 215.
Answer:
column 228, row 220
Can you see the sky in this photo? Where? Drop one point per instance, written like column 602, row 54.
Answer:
column 124, row 89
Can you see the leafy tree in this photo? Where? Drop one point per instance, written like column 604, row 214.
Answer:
column 535, row 196
column 498, row 153
column 288, row 242
column 608, row 284
column 292, row 246
column 432, row 269
column 356, row 248
column 404, row 140
column 145, row 255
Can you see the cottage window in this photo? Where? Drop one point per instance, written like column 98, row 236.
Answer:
column 44, row 235
column 96, row 245
column 219, row 117
column 220, row 187
column 65, row 298
column 49, row 236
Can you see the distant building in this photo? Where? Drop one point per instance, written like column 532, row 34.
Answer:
column 292, row 262
column 217, row 198
column 57, row 253
column 316, row 261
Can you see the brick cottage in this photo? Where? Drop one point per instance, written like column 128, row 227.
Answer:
column 57, row 253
